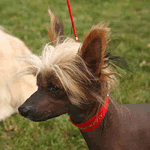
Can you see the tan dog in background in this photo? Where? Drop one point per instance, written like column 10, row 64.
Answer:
column 13, row 90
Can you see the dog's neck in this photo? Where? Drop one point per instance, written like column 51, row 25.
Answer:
column 79, row 116
column 95, row 137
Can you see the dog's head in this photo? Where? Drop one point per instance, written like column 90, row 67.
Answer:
column 69, row 75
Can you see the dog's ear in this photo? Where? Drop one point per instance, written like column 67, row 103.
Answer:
column 93, row 48
column 56, row 32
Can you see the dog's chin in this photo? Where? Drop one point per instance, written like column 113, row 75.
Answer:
column 37, row 119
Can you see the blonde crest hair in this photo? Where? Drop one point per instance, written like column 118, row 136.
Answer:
column 64, row 63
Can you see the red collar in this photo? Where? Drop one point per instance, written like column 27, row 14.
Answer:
column 92, row 123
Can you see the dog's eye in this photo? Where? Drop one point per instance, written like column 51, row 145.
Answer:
column 53, row 88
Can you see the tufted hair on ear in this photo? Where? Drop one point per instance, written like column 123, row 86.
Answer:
column 93, row 47
column 56, row 32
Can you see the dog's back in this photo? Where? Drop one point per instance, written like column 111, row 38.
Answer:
column 139, row 121
column 13, row 90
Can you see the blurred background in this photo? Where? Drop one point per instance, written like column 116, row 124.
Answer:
column 130, row 26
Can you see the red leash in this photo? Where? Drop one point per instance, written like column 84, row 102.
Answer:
column 92, row 123
column 71, row 16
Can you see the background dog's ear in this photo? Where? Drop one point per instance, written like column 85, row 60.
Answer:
column 93, row 48
column 56, row 32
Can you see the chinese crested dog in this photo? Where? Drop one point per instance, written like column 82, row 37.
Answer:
column 75, row 78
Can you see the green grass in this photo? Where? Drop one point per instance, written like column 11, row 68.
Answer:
column 29, row 21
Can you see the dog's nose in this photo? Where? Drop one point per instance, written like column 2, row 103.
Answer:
column 24, row 111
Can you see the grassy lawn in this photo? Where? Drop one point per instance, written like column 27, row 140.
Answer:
column 29, row 21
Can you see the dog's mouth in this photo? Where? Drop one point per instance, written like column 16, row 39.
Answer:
column 35, row 119
column 39, row 118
